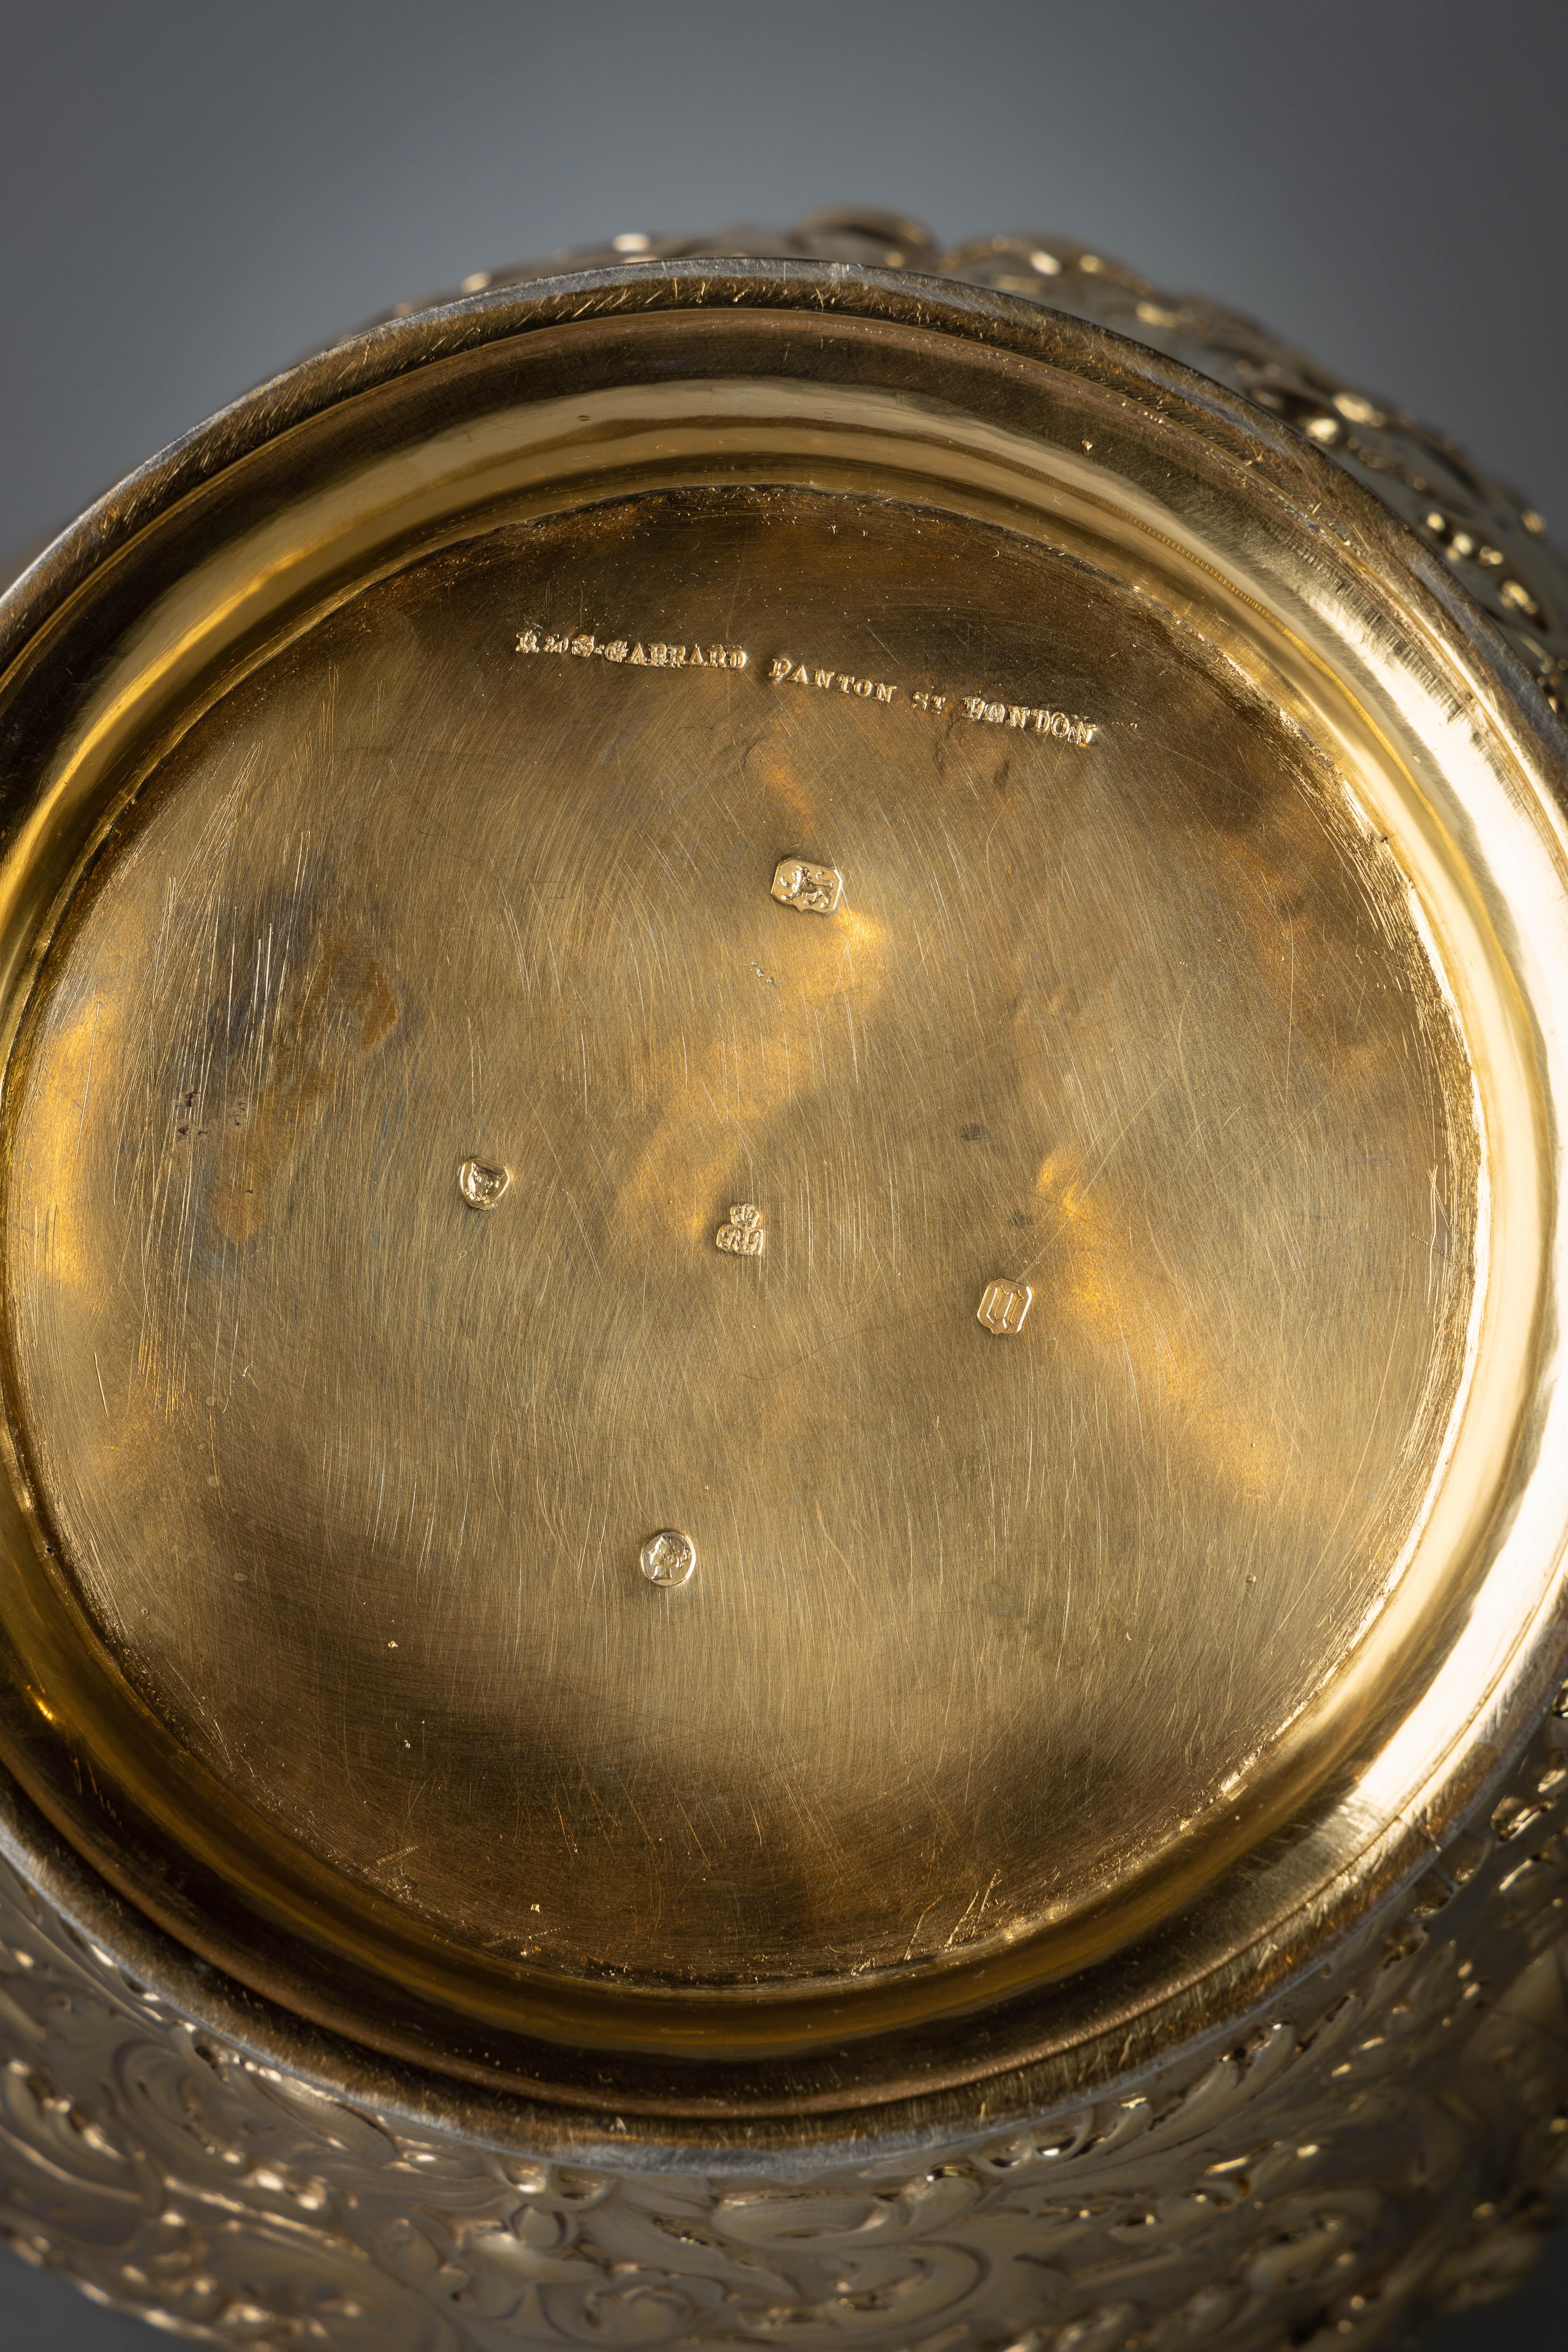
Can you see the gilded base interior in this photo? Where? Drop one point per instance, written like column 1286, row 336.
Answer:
column 354, row 1480
column 1015, row 1118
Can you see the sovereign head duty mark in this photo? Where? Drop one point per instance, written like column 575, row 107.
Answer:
column 668, row 1559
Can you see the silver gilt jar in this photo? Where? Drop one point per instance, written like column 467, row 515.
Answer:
column 787, row 1021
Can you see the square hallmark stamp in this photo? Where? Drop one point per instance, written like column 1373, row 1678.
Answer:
column 815, row 890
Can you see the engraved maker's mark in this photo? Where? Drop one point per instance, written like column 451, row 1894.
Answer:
column 743, row 1236
column 828, row 681
column 653, row 654
column 657, row 653
column 1027, row 717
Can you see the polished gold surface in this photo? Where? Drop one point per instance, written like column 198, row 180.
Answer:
column 355, row 1484
column 779, row 1252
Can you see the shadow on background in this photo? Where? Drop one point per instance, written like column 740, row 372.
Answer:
column 193, row 196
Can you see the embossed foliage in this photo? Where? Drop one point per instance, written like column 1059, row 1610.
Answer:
column 1392, row 2138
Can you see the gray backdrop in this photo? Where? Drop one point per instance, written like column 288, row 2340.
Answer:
column 193, row 191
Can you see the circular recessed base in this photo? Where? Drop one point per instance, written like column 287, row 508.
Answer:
column 1138, row 1029
column 866, row 1029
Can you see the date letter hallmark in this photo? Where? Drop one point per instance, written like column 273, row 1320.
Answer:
column 813, row 889
column 743, row 1236
column 1003, row 1308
